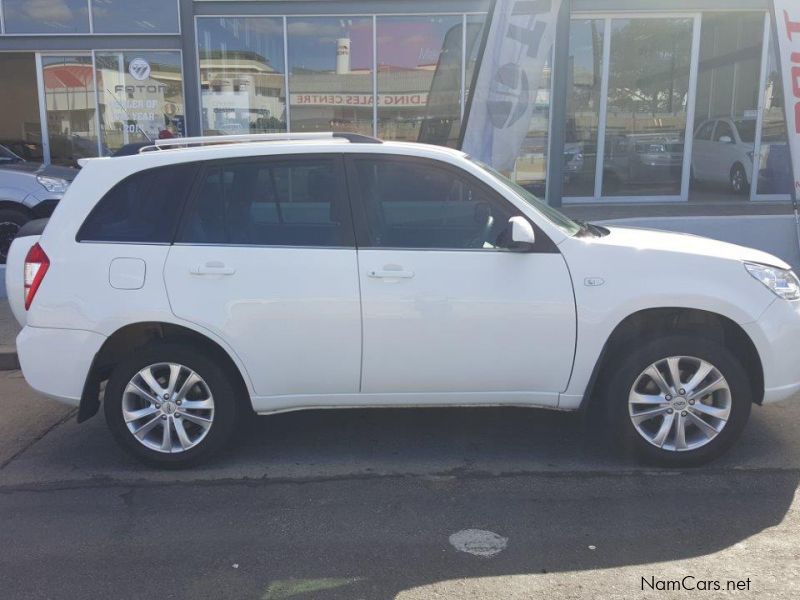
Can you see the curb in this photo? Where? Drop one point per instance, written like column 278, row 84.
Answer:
column 8, row 358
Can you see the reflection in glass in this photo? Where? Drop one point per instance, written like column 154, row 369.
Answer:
column 330, row 74
column 475, row 24
column 142, row 16
column 413, row 53
column 775, row 166
column 20, row 125
column 727, row 105
column 140, row 97
column 70, row 102
column 530, row 168
column 647, row 96
column 46, row 16
column 242, row 75
column 583, row 106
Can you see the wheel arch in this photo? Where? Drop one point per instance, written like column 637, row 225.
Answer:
column 659, row 321
column 129, row 338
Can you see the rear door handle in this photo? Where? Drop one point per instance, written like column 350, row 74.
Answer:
column 391, row 273
column 213, row 267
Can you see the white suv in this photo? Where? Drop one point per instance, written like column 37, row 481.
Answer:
column 202, row 279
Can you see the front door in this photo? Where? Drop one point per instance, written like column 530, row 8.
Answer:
column 265, row 260
column 450, row 315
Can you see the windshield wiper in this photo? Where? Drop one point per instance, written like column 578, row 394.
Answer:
column 590, row 229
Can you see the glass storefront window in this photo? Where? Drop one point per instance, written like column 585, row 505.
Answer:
column 647, row 97
column 414, row 52
column 46, row 16
column 70, row 104
column 475, row 25
column 583, row 106
column 142, row 16
column 242, row 75
column 727, row 105
column 774, row 162
column 140, row 97
column 20, row 127
column 330, row 74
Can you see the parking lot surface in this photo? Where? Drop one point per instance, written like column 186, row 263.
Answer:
column 363, row 504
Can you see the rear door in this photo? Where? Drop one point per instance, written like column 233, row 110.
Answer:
column 449, row 313
column 265, row 258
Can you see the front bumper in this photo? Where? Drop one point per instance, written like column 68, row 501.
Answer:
column 776, row 336
column 56, row 362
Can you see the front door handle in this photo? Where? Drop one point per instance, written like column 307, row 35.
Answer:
column 213, row 267
column 391, row 272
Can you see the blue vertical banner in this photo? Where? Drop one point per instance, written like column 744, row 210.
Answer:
column 516, row 48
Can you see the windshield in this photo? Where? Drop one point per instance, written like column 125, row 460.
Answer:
column 557, row 218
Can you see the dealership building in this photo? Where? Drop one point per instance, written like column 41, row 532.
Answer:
column 664, row 113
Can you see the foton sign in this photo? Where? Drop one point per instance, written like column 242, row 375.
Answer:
column 787, row 21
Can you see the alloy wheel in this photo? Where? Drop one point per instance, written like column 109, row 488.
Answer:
column 168, row 407
column 680, row 403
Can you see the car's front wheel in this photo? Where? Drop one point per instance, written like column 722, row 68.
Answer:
column 170, row 405
column 680, row 400
column 738, row 180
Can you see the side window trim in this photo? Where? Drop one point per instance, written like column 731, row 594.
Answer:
column 364, row 237
column 348, row 241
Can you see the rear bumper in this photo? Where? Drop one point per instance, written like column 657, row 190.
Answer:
column 56, row 362
column 776, row 336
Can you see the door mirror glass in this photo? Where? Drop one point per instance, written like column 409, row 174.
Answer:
column 522, row 236
column 726, row 139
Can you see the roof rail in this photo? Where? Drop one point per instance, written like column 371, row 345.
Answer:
column 210, row 140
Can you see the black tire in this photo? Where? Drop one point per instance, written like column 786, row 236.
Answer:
column 627, row 368
column 219, row 382
column 11, row 221
column 738, row 180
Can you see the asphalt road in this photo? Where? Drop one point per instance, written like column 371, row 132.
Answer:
column 363, row 504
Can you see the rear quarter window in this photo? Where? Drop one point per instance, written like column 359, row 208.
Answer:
column 142, row 208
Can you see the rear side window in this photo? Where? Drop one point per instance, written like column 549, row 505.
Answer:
column 270, row 202
column 142, row 208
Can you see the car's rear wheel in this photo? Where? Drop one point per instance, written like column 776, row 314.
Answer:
column 679, row 401
column 170, row 406
column 11, row 221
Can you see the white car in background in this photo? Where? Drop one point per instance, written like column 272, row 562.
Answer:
column 203, row 279
column 723, row 153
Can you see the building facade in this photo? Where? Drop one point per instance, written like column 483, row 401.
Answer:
column 654, row 108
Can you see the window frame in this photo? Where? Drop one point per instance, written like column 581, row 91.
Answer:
column 194, row 168
column 348, row 237
column 365, row 238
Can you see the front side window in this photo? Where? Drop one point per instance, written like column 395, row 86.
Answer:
column 408, row 204
column 723, row 131
column 143, row 208
column 270, row 203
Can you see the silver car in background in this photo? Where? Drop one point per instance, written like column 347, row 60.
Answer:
column 28, row 190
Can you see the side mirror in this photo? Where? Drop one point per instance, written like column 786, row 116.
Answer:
column 522, row 236
column 726, row 139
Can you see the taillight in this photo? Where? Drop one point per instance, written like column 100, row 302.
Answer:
column 36, row 265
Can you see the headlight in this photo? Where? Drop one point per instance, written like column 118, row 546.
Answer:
column 55, row 185
column 782, row 283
